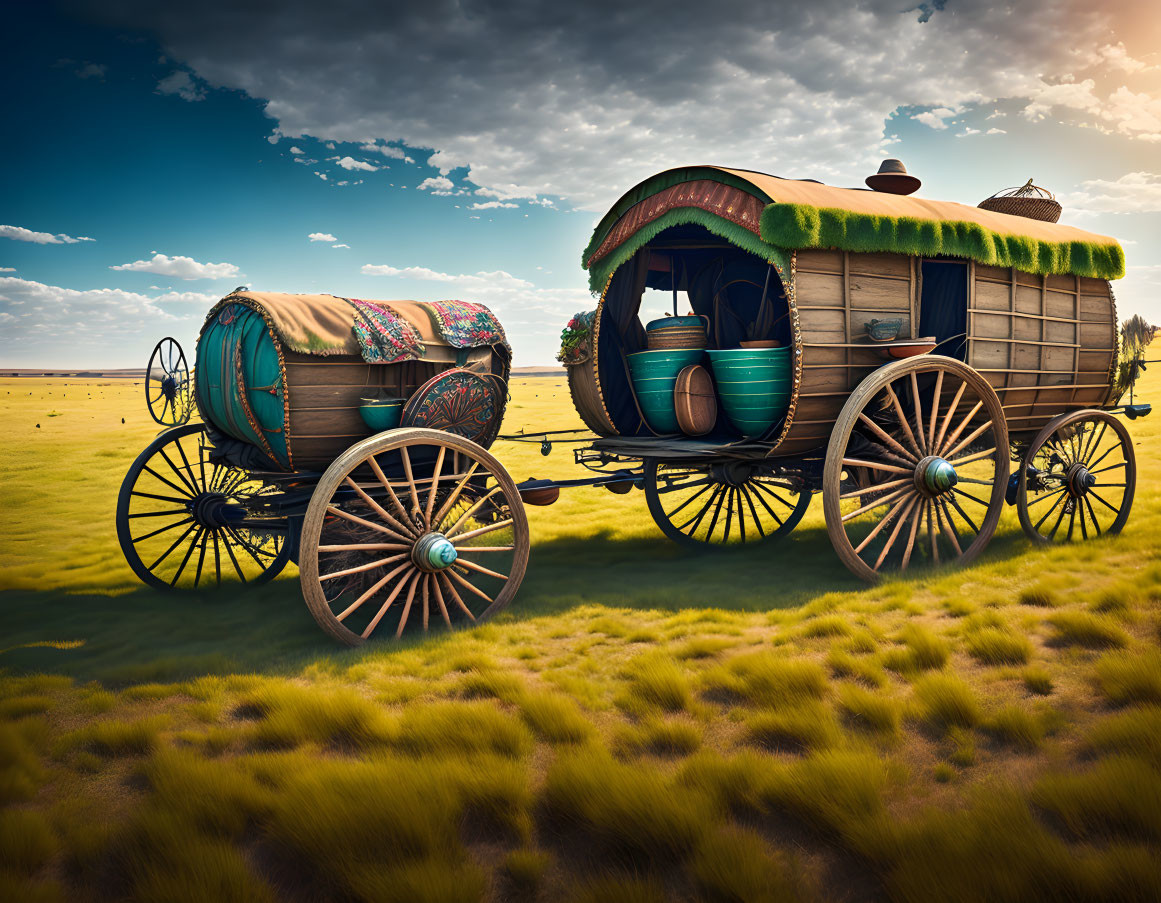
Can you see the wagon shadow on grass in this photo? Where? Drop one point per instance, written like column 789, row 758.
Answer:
column 147, row 636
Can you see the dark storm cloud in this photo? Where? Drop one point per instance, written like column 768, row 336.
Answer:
column 542, row 99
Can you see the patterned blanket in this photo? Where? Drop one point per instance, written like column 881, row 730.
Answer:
column 465, row 324
column 384, row 336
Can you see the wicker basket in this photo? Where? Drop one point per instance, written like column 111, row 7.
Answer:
column 1028, row 201
column 675, row 337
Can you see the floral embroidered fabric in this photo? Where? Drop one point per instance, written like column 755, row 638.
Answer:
column 576, row 339
column 465, row 324
column 384, row 336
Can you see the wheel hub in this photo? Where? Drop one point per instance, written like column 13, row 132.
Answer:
column 214, row 510
column 169, row 387
column 1080, row 481
column 433, row 552
column 732, row 473
column 935, row 476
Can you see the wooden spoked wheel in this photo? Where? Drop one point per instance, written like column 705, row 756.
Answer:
column 916, row 468
column 168, row 384
column 1078, row 479
column 185, row 522
column 412, row 526
column 722, row 503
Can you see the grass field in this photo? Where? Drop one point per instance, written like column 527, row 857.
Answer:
column 642, row 724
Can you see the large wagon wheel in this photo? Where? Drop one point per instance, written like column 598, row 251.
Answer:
column 185, row 522
column 411, row 526
column 721, row 503
column 168, row 385
column 916, row 468
column 1078, row 478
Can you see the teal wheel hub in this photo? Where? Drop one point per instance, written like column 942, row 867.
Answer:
column 433, row 552
column 935, row 476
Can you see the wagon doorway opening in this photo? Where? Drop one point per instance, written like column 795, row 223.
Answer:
column 943, row 305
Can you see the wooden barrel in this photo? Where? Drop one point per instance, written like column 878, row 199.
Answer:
column 302, row 410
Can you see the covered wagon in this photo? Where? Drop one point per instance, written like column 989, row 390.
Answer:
column 893, row 352
column 350, row 436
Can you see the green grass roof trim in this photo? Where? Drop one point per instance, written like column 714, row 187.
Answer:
column 805, row 226
column 736, row 235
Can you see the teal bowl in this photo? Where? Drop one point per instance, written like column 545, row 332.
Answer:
column 661, row 363
column 659, row 412
column 381, row 415
column 726, row 355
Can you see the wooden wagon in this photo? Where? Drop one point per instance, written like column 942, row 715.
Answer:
column 414, row 524
column 911, row 455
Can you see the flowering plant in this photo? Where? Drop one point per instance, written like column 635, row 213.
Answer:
column 575, row 339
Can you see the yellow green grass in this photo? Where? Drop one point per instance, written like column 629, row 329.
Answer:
column 642, row 724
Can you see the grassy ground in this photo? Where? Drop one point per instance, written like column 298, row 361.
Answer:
column 643, row 724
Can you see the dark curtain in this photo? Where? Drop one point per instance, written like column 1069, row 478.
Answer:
column 943, row 307
column 621, row 333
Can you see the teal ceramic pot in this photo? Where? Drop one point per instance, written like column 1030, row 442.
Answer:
column 654, row 376
column 753, row 385
column 693, row 321
column 380, row 415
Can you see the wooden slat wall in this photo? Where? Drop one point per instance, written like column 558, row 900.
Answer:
column 1045, row 343
column 325, row 394
column 837, row 293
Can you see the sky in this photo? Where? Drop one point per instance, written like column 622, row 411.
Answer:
column 156, row 156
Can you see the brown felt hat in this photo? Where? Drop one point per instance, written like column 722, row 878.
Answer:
column 893, row 178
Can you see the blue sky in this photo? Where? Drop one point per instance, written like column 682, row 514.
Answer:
column 156, row 159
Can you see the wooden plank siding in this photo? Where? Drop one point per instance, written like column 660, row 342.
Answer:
column 1046, row 344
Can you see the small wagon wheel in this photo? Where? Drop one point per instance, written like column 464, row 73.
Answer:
column 185, row 522
column 1078, row 478
column 722, row 503
column 409, row 527
column 916, row 468
column 168, row 384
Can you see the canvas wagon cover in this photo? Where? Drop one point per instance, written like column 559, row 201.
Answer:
column 769, row 216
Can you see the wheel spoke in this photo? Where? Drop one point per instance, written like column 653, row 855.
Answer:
column 251, row 550
column 467, row 584
column 965, row 443
column 401, row 531
column 971, row 523
column 878, row 431
column 458, row 525
column 760, row 493
column 1059, row 518
column 946, row 526
column 875, row 465
column 426, row 599
column 369, row 566
column 917, row 410
column 1040, row 498
column 407, row 604
column 754, row 513
column 159, row 498
column 488, row 528
column 153, row 533
column 898, row 493
column 455, row 494
column 382, row 478
column 875, row 487
column 391, row 597
column 188, row 553
column 963, row 425
column 355, row 519
column 464, row 550
column 172, row 486
column 431, row 502
column 931, row 533
column 233, row 559
column 733, row 491
column 480, row 569
column 916, row 517
column 1048, row 513
column 694, row 497
column 948, row 418
column 370, row 591
column 1092, row 514
column 455, row 595
column 193, row 490
column 176, row 543
column 1096, row 495
column 364, row 547
column 894, row 535
column 697, row 519
column 899, row 508
column 935, row 409
column 902, row 418
column 410, row 479
column 717, row 512
column 439, row 599
column 974, row 456
column 1110, row 467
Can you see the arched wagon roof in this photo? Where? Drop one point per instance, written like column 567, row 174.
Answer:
column 770, row 216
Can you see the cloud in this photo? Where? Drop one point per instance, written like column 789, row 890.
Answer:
column 295, row 150
column 935, row 118
column 321, row 236
column 350, row 163
column 440, row 185
column 19, row 233
column 179, row 267
column 340, row 245
column 1134, row 192
column 995, row 131
column 93, row 70
column 491, row 205
column 394, row 153
column 7, row 269
column 102, row 327
column 968, row 131
column 182, row 85
column 592, row 107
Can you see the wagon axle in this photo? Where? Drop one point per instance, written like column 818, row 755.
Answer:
column 213, row 511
